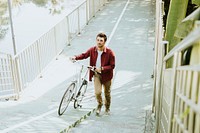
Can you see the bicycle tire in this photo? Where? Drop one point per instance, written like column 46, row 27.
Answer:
column 80, row 94
column 66, row 99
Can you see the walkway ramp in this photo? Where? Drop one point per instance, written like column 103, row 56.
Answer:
column 129, row 25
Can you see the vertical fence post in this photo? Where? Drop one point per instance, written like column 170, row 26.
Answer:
column 176, row 62
column 78, row 13
column 16, row 75
column 68, row 31
column 39, row 60
column 87, row 16
column 159, row 65
column 156, row 56
column 12, row 29
column 93, row 9
column 56, row 49
column 160, row 83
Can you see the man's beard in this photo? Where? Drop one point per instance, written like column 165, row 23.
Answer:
column 100, row 46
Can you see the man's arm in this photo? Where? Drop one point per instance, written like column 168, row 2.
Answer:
column 111, row 65
column 81, row 56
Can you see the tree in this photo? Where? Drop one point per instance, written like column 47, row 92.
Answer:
column 177, row 12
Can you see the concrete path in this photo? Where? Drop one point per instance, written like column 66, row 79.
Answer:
column 130, row 26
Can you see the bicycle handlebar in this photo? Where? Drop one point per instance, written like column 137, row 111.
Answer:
column 92, row 68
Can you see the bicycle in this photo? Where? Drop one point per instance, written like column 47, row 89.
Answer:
column 71, row 93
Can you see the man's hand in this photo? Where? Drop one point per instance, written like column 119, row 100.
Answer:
column 98, row 70
column 73, row 59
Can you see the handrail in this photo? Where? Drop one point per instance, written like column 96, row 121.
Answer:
column 185, row 43
column 76, row 8
column 189, row 68
column 189, row 102
column 193, row 15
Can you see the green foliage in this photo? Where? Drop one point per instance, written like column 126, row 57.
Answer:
column 184, row 114
column 184, row 29
column 40, row 3
column 177, row 13
column 196, row 2
column 186, row 26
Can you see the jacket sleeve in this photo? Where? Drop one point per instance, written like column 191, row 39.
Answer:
column 83, row 55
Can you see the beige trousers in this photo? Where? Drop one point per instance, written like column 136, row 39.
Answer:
column 98, row 91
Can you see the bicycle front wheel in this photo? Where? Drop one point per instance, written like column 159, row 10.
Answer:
column 80, row 94
column 66, row 99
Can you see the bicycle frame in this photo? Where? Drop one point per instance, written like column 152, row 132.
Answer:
column 79, row 79
column 75, row 91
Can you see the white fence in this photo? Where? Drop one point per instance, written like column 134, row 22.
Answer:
column 176, row 101
column 7, row 77
column 16, row 73
column 180, row 95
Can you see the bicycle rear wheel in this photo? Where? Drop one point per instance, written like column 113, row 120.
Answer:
column 66, row 99
column 80, row 94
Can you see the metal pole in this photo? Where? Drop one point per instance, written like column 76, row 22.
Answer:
column 93, row 10
column 11, row 24
column 87, row 13
column 79, row 29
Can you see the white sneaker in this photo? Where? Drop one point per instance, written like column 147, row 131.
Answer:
column 98, row 112
column 107, row 112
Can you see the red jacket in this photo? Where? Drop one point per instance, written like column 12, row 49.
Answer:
column 107, row 62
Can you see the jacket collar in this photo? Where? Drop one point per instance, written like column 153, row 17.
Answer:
column 104, row 50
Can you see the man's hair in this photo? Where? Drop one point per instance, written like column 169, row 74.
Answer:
column 103, row 36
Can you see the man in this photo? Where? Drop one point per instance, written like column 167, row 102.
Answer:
column 103, row 59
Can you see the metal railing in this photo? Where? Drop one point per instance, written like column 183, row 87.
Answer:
column 7, row 77
column 176, row 101
column 18, row 72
